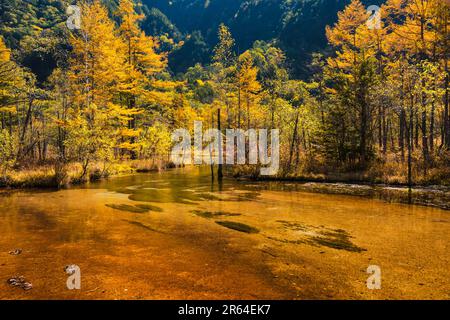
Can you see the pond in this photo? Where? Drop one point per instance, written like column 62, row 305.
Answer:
column 178, row 235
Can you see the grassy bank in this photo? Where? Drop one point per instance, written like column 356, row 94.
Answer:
column 390, row 172
column 58, row 176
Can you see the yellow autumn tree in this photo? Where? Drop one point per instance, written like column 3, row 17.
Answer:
column 143, row 64
column 97, row 75
column 354, row 68
column 248, row 85
column 412, row 25
column 414, row 36
column 10, row 81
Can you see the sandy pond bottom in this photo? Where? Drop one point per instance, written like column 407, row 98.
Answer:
column 175, row 236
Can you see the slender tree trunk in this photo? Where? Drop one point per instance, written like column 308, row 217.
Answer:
column 294, row 138
column 219, row 170
column 446, row 95
column 132, row 125
column 402, row 118
column 210, row 151
column 239, row 101
column 385, row 130
column 416, row 131
column 425, row 141
column 391, row 134
column 380, row 124
column 248, row 111
column 410, row 144
column 446, row 109
column 432, row 116
column 23, row 133
column 363, row 133
column 10, row 123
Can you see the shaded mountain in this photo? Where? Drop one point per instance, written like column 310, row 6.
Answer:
column 297, row 26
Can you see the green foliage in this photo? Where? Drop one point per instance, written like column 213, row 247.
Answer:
column 20, row 17
column 8, row 151
column 156, row 141
column 104, row 93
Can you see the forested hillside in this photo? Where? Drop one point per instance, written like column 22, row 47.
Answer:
column 296, row 26
column 78, row 104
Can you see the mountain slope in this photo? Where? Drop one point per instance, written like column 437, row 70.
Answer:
column 297, row 26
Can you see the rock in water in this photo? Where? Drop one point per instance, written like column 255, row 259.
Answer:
column 20, row 281
column 15, row 252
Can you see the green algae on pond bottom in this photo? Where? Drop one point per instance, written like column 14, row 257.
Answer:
column 141, row 225
column 237, row 226
column 210, row 215
column 149, row 207
column 127, row 208
column 318, row 236
column 336, row 239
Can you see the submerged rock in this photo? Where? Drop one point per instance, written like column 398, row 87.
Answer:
column 20, row 281
column 317, row 236
column 210, row 215
column 15, row 252
column 237, row 226
column 128, row 208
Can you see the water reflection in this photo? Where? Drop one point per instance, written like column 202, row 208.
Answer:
column 178, row 235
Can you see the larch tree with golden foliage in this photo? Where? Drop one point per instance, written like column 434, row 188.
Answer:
column 143, row 63
column 98, row 76
column 354, row 68
column 249, row 87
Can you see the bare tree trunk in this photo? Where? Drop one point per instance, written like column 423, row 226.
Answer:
column 446, row 110
column 362, row 134
column 432, row 116
column 132, row 126
column 294, row 138
column 410, row 143
column 219, row 170
column 416, row 130
column 446, row 96
column 391, row 134
column 425, row 141
column 385, row 131
column 380, row 134
column 210, row 151
column 248, row 111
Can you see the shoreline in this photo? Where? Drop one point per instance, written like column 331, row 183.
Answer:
column 424, row 195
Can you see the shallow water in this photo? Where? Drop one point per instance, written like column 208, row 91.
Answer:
column 177, row 235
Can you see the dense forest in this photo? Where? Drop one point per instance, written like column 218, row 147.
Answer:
column 295, row 26
column 351, row 102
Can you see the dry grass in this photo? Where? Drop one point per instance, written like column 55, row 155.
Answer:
column 389, row 170
column 56, row 176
